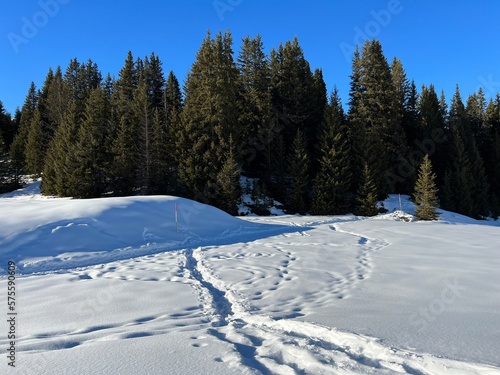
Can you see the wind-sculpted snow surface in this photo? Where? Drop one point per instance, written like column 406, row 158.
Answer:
column 115, row 287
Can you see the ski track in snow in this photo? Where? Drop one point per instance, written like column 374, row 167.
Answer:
column 267, row 345
column 261, row 344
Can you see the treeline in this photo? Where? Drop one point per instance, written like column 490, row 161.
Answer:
column 262, row 116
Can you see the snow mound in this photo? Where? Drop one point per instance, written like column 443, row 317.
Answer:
column 43, row 234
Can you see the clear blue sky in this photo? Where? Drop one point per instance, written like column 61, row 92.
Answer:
column 441, row 42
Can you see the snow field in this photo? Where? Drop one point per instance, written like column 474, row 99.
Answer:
column 222, row 295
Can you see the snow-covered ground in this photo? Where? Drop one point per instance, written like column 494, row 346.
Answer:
column 113, row 286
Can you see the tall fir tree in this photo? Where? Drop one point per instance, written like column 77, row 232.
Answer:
column 88, row 179
column 425, row 195
column 256, row 109
column 432, row 130
column 228, row 182
column 123, row 169
column 299, row 176
column 333, row 182
column 35, row 145
column 466, row 165
column 366, row 196
column 210, row 116
column 18, row 147
column 59, row 161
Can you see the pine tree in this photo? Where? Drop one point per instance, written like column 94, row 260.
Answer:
column 425, row 194
column 333, row 182
column 299, row 176
column 366, row 198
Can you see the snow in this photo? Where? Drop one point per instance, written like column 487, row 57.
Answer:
column 113, row 286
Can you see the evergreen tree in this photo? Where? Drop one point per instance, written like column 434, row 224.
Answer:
column 333, row 182
column 431, row 122
column 228, row 181
column 299, row 176
column 59, row 161
column 88, row 179
column 255, row 112
column 123, row 169
column 356, row 129
column 143, row 113
column 366, row 198
column 35, row 145
column 7, row 127
column 467, row 169
column 425, row 194
column 280, row 168
column 210, row 117
column 458, row 194
column 383, row 143
column 18, row 147
column 161, row 165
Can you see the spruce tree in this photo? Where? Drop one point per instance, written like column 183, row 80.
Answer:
column 35, row 145
column 255, row 112
column 18, row 147
column 228, row 182
column 59, row 161
column 333, row 181
column 88, row 179
column 299, row 176
column 123, row 169
column 210, row 117
column 425, row 194
column 366, row 197
column 431, row 122
column 356, row 128
column 467, row 166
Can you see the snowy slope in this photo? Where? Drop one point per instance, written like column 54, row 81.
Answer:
column 112, row 286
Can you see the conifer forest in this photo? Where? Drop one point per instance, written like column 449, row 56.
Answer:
column 264, row 116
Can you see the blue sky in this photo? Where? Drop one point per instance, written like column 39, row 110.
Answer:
column 440, row 42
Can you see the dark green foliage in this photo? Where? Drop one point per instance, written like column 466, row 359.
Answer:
column 376, row 135
column 35, row 145
column 267, row 117
column 467, row 176
column 255, row 109
column 18, row 147
column 88, row 179
column 228, row 183
column 425, row 195
column 299, row 176
column 59, row 161
column 366, row 197
column 332, row 186
column 210, row 117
